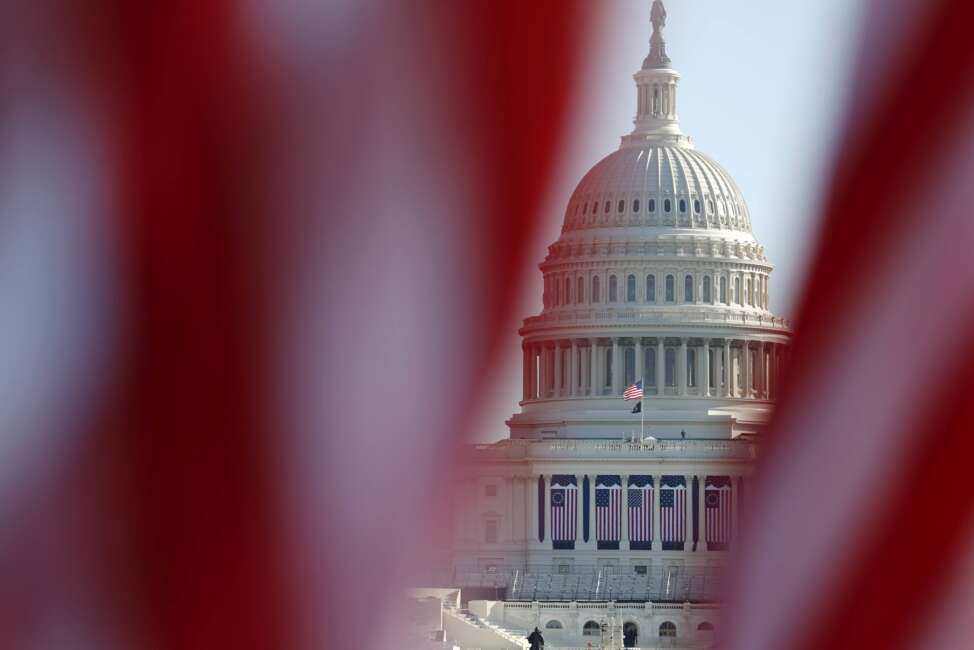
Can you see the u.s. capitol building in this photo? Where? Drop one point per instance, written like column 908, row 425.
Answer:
column 590, row 514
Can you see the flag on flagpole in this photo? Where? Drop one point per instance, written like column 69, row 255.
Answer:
column 634, row 392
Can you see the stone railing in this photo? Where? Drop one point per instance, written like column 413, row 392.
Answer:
column 608, row 448
column 683, row 316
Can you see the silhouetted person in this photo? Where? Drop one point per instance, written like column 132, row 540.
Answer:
column 683, row 434
column 536, row 640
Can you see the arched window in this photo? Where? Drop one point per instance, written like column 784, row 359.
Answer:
column 706, row 289
column 568, row 291
column 688, row 288
column 585, row 208
column 622, row 206
column 667, row 206
column 655, row 100
column 553, row 625
column 696, row 206
column 670, row 290
column 691, row 367
column 667, row 630
column 580, row 291
column 630, row 366
column 635, row 205
column 748, row 296
column 737, row 291
column 723, row 290
column 651, row 206
column 596, row 289
column 613, row 289
column 705, row 627
column 608, row 204
column 591, row 628
column 650, row 288
column 631, row 288
column 649, row 363
column 670, row 370
column 607, row 381
column 630, row 634
column 683, row 205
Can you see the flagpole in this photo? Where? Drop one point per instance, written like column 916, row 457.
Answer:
column 642, row 413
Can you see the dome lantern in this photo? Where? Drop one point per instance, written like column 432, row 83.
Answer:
column 656, row 82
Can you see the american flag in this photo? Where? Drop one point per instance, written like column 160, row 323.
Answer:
column 717, row 504
column 608, row 512
column 634, row 392
column 641, row 511
column 563, row 512
column 672, row 511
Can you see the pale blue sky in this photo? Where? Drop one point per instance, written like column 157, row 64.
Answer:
column 764, row 83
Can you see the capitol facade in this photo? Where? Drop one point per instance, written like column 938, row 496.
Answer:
column 597, row 524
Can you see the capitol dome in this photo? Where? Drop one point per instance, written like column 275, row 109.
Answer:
column 658, row 185
column 655, row 278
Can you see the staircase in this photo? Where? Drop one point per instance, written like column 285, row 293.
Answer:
column 469, row 631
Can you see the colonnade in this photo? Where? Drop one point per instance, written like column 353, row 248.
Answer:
column 683, row 366
column 527, row 511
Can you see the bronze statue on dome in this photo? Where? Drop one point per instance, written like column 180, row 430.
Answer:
column 658, row 16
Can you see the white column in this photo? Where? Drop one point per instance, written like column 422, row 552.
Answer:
column 547, row 510
column 584, row 374
column 746, row 360
column 511, row 482
column 762, row 372
column 657, row 527
column 727, row 368
column 591, row 511
column 624, row 536
column 539, row 372
column 701, row 514
column 660, row 366
column 594, row 367
column 616, row 374
column 543, row 370
column 525, row 372
column 532, row 487
column 557, row 382
column 639, row 369
column 688, row 539
column 573, row 370
column 735, row 507
column 580, row 511
column 705, row 375
column 682, row 367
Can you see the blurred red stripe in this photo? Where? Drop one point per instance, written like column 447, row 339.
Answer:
column 887, row 578
column 183, row 516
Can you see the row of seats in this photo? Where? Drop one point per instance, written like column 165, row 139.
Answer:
column 607, row 585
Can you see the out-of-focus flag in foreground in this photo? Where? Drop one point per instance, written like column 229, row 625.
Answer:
column 861, row 533
column 221, row 222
